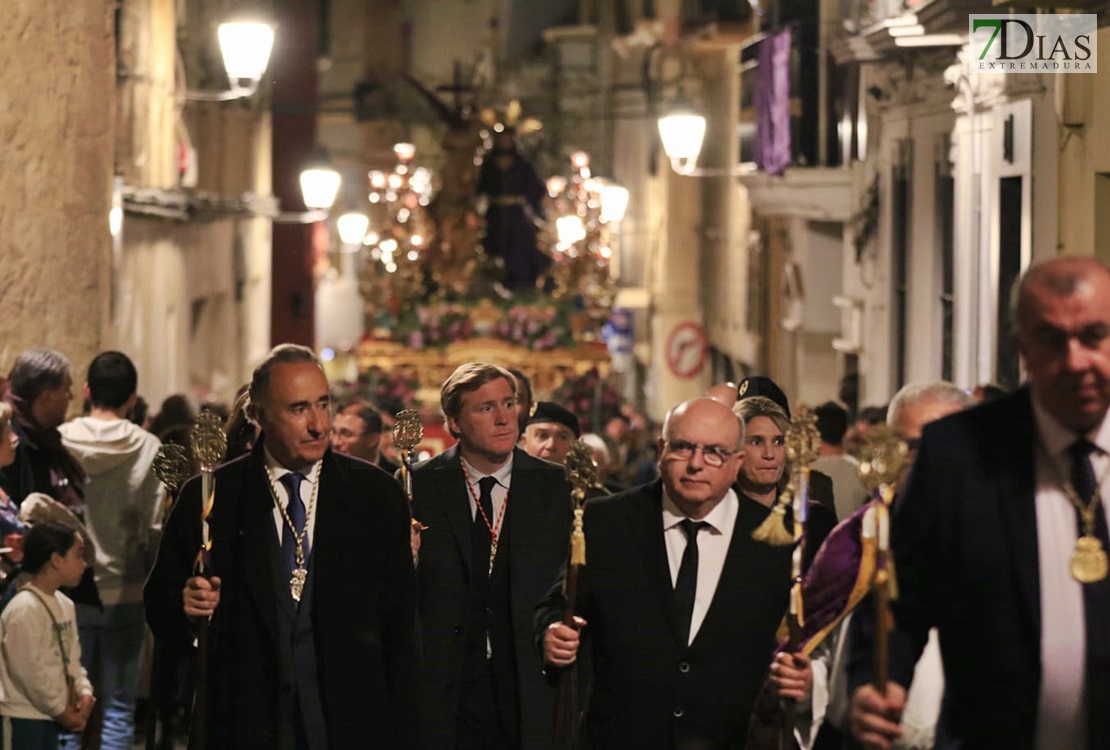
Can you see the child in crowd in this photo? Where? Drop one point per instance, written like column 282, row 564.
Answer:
column 42, row 682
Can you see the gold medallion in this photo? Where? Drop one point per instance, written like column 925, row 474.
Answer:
column 1089, row 562
column 296, row 582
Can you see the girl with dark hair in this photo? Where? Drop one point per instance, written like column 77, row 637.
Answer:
column 42, row 683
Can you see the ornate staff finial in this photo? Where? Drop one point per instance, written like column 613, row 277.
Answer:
column 803, row 441
column 881, row 461
column 408, row 430
column 172, row 466
column 582, row 474
column 209, row 445
column 208, row 440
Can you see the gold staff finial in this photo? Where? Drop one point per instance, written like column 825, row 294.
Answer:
column 881, row 461
column 408, row 430
column 582, row 473
column 172, row 466
column 208, row 440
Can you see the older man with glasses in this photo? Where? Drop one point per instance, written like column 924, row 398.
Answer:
column 678, row 600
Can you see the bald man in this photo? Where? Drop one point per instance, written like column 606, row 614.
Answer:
column 999, row 540
column 679, row 603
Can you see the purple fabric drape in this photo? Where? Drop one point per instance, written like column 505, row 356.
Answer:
column 771, row 96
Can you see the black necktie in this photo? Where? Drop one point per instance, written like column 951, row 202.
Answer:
column 1096, row 604
column 686, row 585
column 295, row 509
column 481, row 532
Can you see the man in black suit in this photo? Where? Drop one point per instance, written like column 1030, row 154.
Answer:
column 498, row 522
column 679, row 602
column 327, row 664
column 358, row 432
column 999, row 541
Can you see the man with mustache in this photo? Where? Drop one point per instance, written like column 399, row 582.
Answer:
column 1000, row 538
column 311, row 596
column 498, row 523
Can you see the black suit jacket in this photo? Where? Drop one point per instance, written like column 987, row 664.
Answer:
column 539, row 518
column 650, row 690
column 387, row 466
column 362, row 610
column 964, row 535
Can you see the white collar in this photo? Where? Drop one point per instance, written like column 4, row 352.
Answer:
column 277, row 470
column 1056, row 438
column 716, row 518
column 503, row 474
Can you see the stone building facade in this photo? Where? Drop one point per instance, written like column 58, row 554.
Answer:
column 57, row 139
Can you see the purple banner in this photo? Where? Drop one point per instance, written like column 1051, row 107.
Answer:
column 771, row 96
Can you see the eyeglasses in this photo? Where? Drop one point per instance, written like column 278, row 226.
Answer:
column 713, row 455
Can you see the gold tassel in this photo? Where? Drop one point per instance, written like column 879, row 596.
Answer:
column 893, row 583
column 773, row 530
column 578, row 540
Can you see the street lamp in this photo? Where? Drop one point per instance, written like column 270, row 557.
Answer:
column 614, row 202
column 682, row 131
column 352, row 228
column 245, row 47
column 319, row 182
column 319, row 187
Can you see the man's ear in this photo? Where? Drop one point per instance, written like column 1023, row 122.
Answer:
column 86, row 393
column 452, row 426
column 739, row 464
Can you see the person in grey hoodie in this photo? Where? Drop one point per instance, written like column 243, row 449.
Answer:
column 122, row 499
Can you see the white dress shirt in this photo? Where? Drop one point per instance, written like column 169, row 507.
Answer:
column 712, row 543
column 1061, row 712
column 504, row 477
column 277, row 471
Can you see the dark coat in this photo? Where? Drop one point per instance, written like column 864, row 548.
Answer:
column 362, row 610
column 964, row 535
column 539, row 499
column 650, row 690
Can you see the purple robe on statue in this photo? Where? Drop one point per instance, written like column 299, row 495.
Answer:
column 515, row 200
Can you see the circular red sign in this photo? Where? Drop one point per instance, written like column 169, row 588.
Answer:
column 686, row 349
